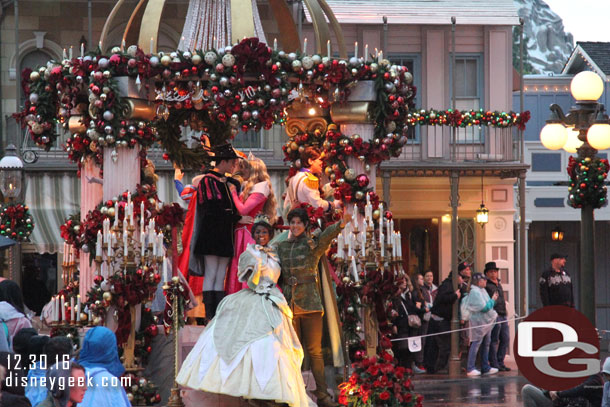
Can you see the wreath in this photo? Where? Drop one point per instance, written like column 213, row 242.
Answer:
column 16, row 222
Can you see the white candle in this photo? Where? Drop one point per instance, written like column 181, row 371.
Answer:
column 98, row 244
column 328, row 48
column 128, row 197
column 355, row 270
column 62, row 309
column 82, row 50
column 363, row 241
column 376, row 53
column 275, row 44
column 71, row 52
column 72, row 313
column 89, row 315
column 64, row 54
column 116, row 215
column 380, row 55
column 399, row 245
column 356, row 49
column 125, row 225
column 78, row 306
column 152, row 45
column 142, row 216
column 99, row 44
column 165, row 271
column 154, row 248
column 125, row 251
column 55, row 309
column 305, row 46
column 110, row 242
column 340, row 246
column 366, row 52
column 382, row 244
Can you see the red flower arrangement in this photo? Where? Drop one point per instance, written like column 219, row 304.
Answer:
column 377, row 381
column 70, row 230
column 16, row 222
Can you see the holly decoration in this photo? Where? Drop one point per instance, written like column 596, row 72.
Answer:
column 378, row 381
column 70, row 230
column 175, row 289
column 587, row 178
column 69, row 331
column 141, row 391
column 16, row 222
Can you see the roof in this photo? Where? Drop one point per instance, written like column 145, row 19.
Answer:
column 589, row 55
column 467, row 12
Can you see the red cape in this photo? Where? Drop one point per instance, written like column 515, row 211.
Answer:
column 196, row 283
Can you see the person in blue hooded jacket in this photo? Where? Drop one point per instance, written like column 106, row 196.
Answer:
column 100, row 357
column 478, row 308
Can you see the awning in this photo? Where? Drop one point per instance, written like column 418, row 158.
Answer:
column 51, row 198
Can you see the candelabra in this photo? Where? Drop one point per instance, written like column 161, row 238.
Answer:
column 140, row 250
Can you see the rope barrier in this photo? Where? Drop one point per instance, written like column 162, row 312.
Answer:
column 457, row 330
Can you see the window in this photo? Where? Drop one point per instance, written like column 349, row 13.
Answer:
column 546, row 162
column 249, row 140
column 468, row 79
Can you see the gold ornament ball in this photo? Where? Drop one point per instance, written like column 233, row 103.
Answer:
column 350, row 174
column 110, row 212
column 328, row 170
column 83, row 316
column 340, row 181
column 294, row 146
column 175, row 279
column 166, row 60
column 359, row 195
column 376, row 214
column 107, row 296
column 152, row 201
column 346, row 280
column 301, row 149
column 34, row 76
column 196, row 59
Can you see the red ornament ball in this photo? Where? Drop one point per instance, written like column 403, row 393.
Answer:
column 363, row 180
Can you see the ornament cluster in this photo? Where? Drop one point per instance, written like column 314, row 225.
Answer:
column 16, row 222
column 247, row 86
column 587, row 179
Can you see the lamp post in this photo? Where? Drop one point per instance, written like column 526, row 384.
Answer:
column 11, row 181
column 584, row 130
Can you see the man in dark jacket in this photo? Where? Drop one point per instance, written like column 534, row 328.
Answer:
column 590, row 391
column 440, row 321
column 500, row 335
column 215, row 220
column 556, row 284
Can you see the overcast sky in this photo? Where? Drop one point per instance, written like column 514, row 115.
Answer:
column 587, row 20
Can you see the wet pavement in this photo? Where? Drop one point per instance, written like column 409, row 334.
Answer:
column 502, row 389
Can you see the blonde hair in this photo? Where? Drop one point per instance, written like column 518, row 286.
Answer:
column 258, row 174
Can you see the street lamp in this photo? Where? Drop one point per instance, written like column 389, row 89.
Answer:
column 11, row 173
column 583, row 130
column 11, row 181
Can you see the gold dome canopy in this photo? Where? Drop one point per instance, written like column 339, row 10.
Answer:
column 143, row 25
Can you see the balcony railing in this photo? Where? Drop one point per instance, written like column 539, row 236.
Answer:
column 428, row 144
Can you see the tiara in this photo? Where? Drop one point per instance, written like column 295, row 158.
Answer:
column 264, row 219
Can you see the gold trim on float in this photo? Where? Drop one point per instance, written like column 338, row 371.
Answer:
column 131, row 20
column 320, row 27
column 334, row 23
column 289, row 35
column 108, row 22
column 149, row 29
column 242, row 23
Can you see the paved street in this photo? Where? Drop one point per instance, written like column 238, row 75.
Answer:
column 497, row 390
